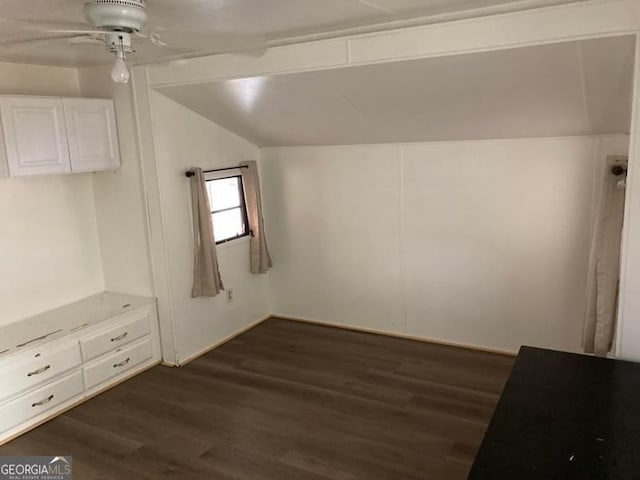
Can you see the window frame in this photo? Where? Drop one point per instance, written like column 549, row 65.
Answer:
column 242, row 206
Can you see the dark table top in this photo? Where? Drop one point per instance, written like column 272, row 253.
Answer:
column 564, row 416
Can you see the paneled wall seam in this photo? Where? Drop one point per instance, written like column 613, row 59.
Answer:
column 402, row 253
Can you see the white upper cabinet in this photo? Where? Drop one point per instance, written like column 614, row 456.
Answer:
column 35, row 136
column 44, row 135
column 91, row 129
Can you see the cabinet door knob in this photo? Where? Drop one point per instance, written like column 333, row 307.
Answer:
column 44, row 401
column 121, row 364
column 39, row 371
column 120, row 337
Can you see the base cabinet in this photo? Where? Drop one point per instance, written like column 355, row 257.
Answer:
column 27, row 375
column 41, row 401
column 93, row 347
column 113, row 365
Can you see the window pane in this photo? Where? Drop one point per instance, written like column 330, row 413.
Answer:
column 224, row 193
column 228, row 224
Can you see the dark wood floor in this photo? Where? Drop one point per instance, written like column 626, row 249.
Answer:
column 287, row 400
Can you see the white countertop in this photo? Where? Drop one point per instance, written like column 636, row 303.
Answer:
column 61, row 321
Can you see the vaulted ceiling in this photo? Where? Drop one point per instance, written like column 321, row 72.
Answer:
column 572, row 88
column 276, row 21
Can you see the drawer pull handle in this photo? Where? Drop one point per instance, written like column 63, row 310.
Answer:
column 44, row 401
column 120, row 337
column 39, row 371
column 121, row 364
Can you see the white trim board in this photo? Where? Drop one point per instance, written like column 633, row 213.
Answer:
column 628, row 322
column 155, row 220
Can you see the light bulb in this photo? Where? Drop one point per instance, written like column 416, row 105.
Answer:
column 120, row 72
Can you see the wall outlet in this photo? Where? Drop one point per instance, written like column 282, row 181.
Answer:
column 229, row 292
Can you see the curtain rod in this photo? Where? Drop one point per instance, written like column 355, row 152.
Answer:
column 189, row 173
column 618, row 170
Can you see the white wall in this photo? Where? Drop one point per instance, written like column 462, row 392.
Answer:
column 49, row 247
column 483, row 243
column 184, row 139
column 628, row 328
column 591, row 19
column 119, row 196
column 21, row 79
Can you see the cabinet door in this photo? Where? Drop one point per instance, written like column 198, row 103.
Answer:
column 93, row 139
column 35, row 135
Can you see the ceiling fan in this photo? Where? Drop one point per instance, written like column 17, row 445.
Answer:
column 116, row 24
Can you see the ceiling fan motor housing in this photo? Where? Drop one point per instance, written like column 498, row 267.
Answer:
column 118, row 42
column 119, row 15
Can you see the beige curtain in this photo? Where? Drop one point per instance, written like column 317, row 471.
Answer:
column 259, row 252
column 206, row 275
column 603, row 289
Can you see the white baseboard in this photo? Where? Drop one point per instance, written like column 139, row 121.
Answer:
column 344, row 326
column 388, row 333
column 190, row 358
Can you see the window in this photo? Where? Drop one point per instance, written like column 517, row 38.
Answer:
column 228, row 209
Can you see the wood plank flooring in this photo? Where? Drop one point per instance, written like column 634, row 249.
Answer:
column 287, row 400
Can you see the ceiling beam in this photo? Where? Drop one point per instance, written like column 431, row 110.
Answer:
column 575, row 21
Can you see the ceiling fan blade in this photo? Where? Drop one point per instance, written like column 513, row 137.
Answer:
column 207, row 42
column 152, row 37
column 32, row 41
column 86, row 41
column 85, row 31
column 46, row 26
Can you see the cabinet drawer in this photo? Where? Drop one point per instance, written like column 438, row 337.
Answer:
column 40, row 401
column 121, row 361
column 124, row 332
column 45, row 366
